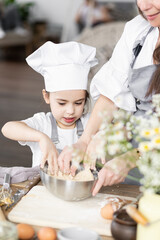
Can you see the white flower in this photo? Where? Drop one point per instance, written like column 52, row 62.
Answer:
column 155, row 182
column 113, row 149
column 156, row 130
column 156, row 99
column 129, row 135
column 118, row 126
column 155, row 159
column 128, row 126
column 145, row 146
column 156, row 142
column 146, row 133
column 118, row 136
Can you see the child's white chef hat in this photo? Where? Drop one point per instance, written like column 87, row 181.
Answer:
column 64, row 66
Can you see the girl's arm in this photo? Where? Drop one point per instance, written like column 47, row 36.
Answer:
column 20, row 131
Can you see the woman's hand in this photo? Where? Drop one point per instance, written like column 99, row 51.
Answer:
column 92, row 153
column 106, row 176
column 115, row 170
column 50, row 154
column 65, row 158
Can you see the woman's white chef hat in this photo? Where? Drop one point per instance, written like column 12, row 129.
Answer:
column 64, row 66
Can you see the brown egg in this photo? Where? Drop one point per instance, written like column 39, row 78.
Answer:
column 25, row 231
column 107, row 211
column 47, row 233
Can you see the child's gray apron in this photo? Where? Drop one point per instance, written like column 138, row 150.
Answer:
column 138, row 82
column 54, row 133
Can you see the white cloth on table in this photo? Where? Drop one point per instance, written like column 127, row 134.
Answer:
column 19, row 174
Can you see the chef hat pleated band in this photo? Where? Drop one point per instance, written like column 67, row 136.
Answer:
column 64, row 66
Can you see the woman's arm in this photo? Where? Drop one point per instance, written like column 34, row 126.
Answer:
column 102, row 104
column 91, row 129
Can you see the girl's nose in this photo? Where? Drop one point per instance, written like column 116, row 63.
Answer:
column 144, row 4
column 70, row 109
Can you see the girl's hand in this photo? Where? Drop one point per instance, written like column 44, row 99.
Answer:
column 65, row 158
column 113, row 172
column 50, row 154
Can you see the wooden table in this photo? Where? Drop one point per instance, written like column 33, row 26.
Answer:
column 119, row 189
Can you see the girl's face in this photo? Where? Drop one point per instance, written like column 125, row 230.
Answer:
column 151, row 11
column 66, row 106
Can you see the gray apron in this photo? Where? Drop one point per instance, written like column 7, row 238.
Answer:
column 138, row 82
column 54, row 133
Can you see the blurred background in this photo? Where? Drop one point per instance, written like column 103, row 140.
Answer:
column 24, row 26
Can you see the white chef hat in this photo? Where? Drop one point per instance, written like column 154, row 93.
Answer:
column 64, row 66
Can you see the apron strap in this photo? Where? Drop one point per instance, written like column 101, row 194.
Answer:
column 79, row 128
column 54, row 133
column 138, row 46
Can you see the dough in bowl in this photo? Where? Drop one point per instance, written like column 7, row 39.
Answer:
column 84, row 175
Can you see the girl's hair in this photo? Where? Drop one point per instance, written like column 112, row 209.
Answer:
column 154, row 86
column 87, row 105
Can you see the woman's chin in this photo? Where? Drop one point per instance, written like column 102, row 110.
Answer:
column 154, row 24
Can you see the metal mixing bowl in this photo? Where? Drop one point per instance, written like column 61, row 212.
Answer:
column 67, row 189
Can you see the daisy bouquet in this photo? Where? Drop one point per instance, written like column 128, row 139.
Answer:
column 117, row 138
column 146, row 132
column 112, row 140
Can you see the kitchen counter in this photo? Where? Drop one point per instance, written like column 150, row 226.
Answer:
column 119, row 189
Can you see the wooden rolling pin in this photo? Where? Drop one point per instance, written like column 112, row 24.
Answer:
column 137, row 215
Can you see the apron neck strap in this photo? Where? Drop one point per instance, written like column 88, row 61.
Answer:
column 54, row 133
column 79, row 128
column 138, row 47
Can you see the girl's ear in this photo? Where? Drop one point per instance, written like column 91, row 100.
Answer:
column 45, row 96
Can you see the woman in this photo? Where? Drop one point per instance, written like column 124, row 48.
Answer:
column 128, row 81
column 91, row 14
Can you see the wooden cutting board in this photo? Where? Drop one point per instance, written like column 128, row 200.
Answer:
column 39, row 207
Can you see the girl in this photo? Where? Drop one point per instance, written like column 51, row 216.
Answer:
column 128, row 81
column 65, row 69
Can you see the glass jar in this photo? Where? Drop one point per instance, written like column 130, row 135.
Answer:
column 149, row 206
column 8, row 231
